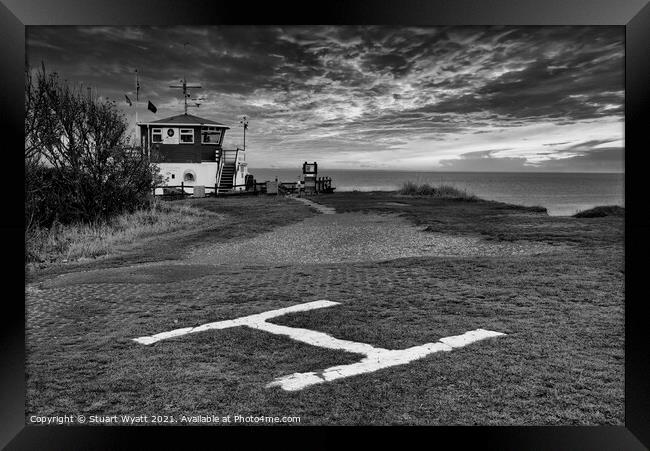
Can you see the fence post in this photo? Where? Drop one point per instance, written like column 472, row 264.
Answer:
column 216, row 188
column 182, row 188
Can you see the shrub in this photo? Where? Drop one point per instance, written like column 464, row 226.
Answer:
column 79, row 164
column 440, row 191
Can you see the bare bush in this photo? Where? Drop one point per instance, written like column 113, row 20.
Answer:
column 79, row 164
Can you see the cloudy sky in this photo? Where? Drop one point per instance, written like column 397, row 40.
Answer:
column 458, row 99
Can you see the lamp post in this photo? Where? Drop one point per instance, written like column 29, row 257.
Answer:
column 244, row 123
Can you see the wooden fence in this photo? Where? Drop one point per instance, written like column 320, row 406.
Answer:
column 173, row 192
column 324, row 185
column 321, row 185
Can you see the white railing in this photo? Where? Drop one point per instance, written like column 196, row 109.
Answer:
column 222, row 158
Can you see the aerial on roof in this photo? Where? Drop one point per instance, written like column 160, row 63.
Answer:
column 186, row 119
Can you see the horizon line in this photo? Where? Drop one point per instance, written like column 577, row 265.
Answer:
column 445, row 171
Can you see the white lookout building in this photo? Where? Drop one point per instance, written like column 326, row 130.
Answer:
column 188, row 149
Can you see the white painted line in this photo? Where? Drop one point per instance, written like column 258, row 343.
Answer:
column 382, row 358
column 243, row 321
column 315, row 338
column 375, row 358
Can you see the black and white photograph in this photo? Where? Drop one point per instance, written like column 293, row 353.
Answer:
column 325, row 225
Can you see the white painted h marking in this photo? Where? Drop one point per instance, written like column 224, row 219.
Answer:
column 375, row 358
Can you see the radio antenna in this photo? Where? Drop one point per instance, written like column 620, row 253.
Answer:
column 184, row 86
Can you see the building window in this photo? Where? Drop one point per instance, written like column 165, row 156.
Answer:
column 156, row 135
column 188, row 177
column 210, row 135
column 187, row 136
column 173, row 176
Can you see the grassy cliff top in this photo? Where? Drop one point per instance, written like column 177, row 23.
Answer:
column 601, row 211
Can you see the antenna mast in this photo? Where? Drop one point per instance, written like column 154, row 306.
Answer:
column 184, row 86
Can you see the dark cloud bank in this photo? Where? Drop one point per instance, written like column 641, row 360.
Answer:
column 415, row 98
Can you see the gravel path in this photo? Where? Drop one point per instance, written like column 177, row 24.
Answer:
column 351, row 237
column 320, row 208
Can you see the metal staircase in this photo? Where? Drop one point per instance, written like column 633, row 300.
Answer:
column 227, row 177
column 226, row 170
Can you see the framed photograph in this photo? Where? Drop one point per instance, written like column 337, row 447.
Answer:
column 470, row 255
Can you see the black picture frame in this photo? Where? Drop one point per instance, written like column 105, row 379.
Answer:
column 634, row 15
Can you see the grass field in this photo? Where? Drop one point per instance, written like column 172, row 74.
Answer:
column 73, row 242
column 561, row 362
column 188, row 222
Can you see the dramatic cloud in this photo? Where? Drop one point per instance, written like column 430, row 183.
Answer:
column 453, row 98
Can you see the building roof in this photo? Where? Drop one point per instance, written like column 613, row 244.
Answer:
column 185, row 119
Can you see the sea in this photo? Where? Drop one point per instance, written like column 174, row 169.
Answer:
column 563, row 194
